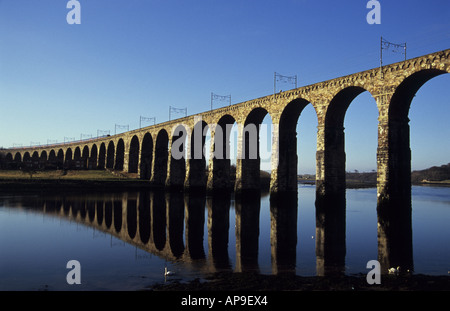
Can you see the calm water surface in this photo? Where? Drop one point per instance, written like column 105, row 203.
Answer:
column 124, row 240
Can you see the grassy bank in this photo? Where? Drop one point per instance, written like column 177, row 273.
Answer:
column 64, row 175
column 65, row 180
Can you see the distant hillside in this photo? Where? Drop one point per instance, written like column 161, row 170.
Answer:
column 435, row 174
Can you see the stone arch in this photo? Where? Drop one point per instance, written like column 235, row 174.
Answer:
column 51, row 163
column 405, row 92
column 146, row 157
column 77, row 157
column 102, row 156
column 60, row 159
column 27, row 162
column 196, row 176
column 43, row 159
column 110, row 155
column 159, row 171
column 133, row 155
column 394, row 205
column 177, row 159
column 7, row 161
column 220, row 174
column 68, row 159
column 331, row 157
column 92, row 161
column 285, row 176
column 120, row 155
column 18, row 160
column 249, row 161
column 394, row 153
column 35, row 160
column 85, row 158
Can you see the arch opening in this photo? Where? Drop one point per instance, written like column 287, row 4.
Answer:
column 146, row 157
column 222, row 171
column 110, row 155
column 177, row 166
column 102, row 157
column 159, row 170
column 120, row 155
column 133, row 157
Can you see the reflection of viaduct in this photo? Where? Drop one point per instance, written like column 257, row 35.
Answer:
column 147, row 151
column 171, row 226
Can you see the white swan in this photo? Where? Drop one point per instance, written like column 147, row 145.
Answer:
column 168, row 272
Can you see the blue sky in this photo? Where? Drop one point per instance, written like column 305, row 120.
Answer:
column 136, row 58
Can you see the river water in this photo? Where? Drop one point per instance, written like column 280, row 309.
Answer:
column 124, row 240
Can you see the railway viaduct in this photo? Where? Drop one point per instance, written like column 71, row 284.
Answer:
column 149, row 152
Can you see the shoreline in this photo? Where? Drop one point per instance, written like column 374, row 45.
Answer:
column 133, row 183
column 252, row 281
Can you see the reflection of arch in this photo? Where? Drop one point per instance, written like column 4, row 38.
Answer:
column 158, row 219
column 146, row 157
column 161, row 156
column 110, row 155
column 133, row 160
column 144, row 216
column 120, row 155
column 132, row 217
column 100, row 206
column 175, row 222
column 218, row 228
column 194, row 225
column 117, row 215
column 108, row 213
column 90, row 207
